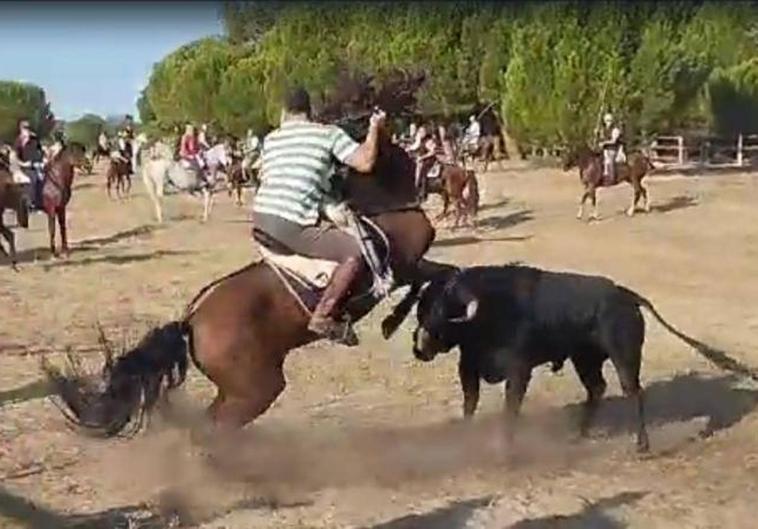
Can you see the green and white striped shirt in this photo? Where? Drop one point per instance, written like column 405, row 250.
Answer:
column 296, row 167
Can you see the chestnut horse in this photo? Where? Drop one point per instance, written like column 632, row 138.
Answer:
column 590, row 164
column 457, row 185
column 56, row 194
column 118, row 175
column 239, row 329
column 13, row 197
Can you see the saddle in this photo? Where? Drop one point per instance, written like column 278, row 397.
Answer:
column 307, row 277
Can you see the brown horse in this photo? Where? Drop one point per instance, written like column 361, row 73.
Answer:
column 118, row 175
column 457, row 185
column 239, row 176
column 590, row 164
column 56, row 194
column 13, row 197
column 239, row 329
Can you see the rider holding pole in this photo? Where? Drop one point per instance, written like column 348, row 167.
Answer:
column 30, row 156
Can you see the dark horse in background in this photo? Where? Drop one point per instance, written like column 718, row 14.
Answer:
column 590, row 164
column 12, row 197
column 56, row 193
column 239, row 329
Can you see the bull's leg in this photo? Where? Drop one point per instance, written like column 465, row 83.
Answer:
column 469, row 377
column 515, row 389
column 590, row 371
column 623, row 336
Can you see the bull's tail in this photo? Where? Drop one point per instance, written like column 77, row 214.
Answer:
column 133, row 384
column 717, row 357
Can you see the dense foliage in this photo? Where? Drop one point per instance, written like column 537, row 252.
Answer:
column 550, row 68
column 23, row 101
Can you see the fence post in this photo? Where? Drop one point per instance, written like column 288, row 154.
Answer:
column 680, row 146
column 739, row 150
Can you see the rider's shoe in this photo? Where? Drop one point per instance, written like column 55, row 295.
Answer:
column 324, row 321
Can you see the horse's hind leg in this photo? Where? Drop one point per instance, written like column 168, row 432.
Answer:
column 51, row 233
column 63, row 230
column 8, row 235
column 645, row 197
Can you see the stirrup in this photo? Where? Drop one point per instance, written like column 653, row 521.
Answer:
column 338, row 331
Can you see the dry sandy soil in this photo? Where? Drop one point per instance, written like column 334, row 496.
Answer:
column 368, row 437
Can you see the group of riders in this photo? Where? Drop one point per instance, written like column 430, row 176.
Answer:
column 297, row 161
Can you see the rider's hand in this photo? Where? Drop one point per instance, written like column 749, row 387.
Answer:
column 377, row 119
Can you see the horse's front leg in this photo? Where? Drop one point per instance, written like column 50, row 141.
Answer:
column 637, row 193
column 593, row 198
column 206, row 204
column 11, row 253
column 51, row 233
column 585, row 196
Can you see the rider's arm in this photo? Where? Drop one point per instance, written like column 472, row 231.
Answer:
column 363, row 158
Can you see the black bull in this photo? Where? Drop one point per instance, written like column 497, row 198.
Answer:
column 506, row 320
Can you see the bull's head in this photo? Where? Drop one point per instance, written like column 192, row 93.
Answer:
column 443, row 311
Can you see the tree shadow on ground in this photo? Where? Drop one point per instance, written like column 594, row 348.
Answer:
column 469, row 239
column 593, row 516
column 675, row 203
column 33, row 390
column 455, row 515
column 502, row 222
column 139, row 232
column 29, row 515
column 118, row 259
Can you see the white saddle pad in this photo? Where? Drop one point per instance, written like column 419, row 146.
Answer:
column 317, row 272
column 20, row 178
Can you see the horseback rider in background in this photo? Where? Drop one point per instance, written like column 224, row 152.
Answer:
column 28, row 151
column 612, row 145
column 189, row 151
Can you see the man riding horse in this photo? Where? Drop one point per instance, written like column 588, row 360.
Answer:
column 28, row 151
column 297, row 164
column 611, row 142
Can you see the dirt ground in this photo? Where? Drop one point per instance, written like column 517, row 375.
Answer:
column 367, row 437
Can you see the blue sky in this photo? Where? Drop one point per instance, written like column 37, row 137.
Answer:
column 96, row 56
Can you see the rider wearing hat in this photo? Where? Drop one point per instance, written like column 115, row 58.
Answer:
column 297, row 166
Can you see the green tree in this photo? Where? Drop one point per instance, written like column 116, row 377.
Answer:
column 23, row 101
column 85, row 130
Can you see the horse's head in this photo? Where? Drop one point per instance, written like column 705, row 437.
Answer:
column 576, row 156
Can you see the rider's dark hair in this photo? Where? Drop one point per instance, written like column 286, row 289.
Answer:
column 297, row 101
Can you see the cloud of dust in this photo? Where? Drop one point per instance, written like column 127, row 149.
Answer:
column 267, row 465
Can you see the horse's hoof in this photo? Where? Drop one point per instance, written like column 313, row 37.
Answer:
column 630, row 212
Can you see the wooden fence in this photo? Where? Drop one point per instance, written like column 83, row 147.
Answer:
column 678, row 152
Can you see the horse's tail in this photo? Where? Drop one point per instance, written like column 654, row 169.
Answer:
column 133, row 384
column 717, row 357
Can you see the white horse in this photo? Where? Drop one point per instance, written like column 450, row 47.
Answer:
column 159, row 169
